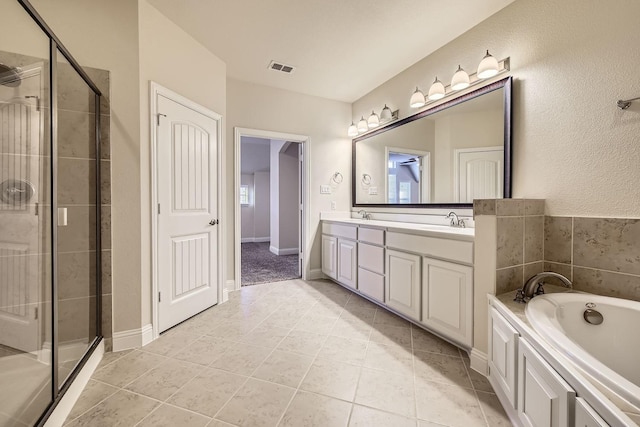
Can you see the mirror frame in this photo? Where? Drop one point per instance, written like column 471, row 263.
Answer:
column 505, row 83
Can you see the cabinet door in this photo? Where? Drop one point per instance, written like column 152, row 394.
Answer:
column 544, row 398
column 402, row 292
column 347, row 263
column 447, row 299
column 586, row 416
column 329, row 256
column 503, row 344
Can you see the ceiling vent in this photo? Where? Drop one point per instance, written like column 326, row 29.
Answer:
column 288, row 69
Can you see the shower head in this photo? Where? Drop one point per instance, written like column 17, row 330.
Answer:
column 9, row 76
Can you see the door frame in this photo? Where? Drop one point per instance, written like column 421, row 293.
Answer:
column 425, row 178
column 456, row 166
column 238, row 133
column 156, row 90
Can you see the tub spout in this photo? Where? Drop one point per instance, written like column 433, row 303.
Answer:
column 533, row 286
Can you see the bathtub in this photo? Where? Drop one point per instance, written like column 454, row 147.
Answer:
column 608, row 352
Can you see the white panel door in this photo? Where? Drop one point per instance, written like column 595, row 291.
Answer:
column 544, row 398
column 347, row 263
column 329, row 256
column 480, row 173
column 188, row 217
column 447, row 299
column 23, row 184
column 503, row 347
column 402, row 292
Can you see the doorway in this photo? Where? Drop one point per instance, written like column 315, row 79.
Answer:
column 270, row 212
column 407, row 176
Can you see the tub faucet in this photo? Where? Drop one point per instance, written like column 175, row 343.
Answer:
column 533, row 286
column 365, row 214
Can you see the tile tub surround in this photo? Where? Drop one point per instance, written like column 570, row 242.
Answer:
column 599, row 255
column 290, row 353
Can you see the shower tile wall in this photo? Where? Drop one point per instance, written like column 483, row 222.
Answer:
column 76, row 192
column 599, row 255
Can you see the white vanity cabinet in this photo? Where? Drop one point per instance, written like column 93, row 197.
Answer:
column 402, row 292
column 544, row 397
column 447, row 299
column 339, row 253
column 586, row 416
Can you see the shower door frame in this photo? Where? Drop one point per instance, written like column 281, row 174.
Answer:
column 55, row 47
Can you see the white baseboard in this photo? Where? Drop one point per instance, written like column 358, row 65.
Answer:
column 479, row 361
column 225, row 293
column 133, row 338
column 316, row 274
column 63, row 409
column 231, row 286
column 255, row 239
column 284, row 251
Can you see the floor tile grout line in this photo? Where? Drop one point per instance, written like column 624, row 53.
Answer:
column 475, row 392
column 90, row 408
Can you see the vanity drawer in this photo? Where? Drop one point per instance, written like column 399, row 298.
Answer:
column 339, row 230
column 371, row 257
column 371, row 235
column 371, row 284
column 454, row 250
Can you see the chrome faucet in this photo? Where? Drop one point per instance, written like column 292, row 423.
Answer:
column 533, row 286
column 365, row 214
column 455, row 221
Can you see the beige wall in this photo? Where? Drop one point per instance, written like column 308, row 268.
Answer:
column 322, row 120
column 170, row 57
column 105, row 35
column 571, row 61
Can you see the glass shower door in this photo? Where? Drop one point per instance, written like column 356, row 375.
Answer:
column 25, row 218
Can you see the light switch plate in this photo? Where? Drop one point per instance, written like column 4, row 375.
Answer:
column 325, row 189
column 333, row 205
column 373, row 191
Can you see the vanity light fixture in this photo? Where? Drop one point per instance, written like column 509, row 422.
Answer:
column 353, row 130
column 417, row 99
column 436, row 91
column 373, row 121
column 460, row 79
column 488, row 67
column 363, row 126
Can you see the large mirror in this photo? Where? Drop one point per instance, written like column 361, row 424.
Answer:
column 445, row 156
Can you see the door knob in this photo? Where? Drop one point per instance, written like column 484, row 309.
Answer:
column 213, row 222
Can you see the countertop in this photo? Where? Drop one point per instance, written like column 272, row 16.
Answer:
column 441, row 231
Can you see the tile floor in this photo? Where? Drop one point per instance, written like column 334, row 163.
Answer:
column 291, row 353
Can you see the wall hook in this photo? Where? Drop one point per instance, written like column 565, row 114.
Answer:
column 337, row 178
column 366, row 179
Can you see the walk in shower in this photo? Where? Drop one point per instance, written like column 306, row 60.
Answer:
column 50, row 216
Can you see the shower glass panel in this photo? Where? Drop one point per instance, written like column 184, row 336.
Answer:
column 76, row 208
column 25, row 219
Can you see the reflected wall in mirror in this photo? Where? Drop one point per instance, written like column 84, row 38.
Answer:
column 447, row 155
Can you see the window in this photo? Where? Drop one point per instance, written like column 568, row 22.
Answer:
column 244, row 195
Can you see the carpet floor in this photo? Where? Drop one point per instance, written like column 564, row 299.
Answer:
column 259, row 265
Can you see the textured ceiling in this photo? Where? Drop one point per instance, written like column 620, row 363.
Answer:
column 342, row 49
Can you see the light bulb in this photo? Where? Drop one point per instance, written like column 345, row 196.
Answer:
column 386, row 114
column 362, row 125
column 488, row 67
column 373, row 121
column 436, row 91
column 417, row 99
column 353, row 130
column 460, row 79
